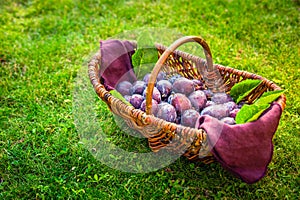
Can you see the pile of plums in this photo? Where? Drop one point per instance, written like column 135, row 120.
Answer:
column 180, row 100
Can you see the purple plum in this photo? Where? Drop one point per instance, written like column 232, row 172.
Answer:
column 209, row 103
column 124, row 87
column 165, row 88
column 183, row 85
column 136, row 100
column 234, row 112
column 198, row 84
column 155, row 94
column 228, row 120
column 221, row 97
column 208, row 93
column 161, row 76
column 166, row 111
column 218, row 111
column 198, row 99
column 154, row 106
column 138, row 87
column 189, row 118
column 231, row 105
column 127, row 98
column 240, row 104
column 173, row 78
column 180, row 102
column 146, row 78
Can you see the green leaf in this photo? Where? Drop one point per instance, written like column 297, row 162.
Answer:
column 269, row 97
column 137, row 57
column 244, row 114
column 118, row 95
column 249, row 113
column 146, row 51
column 242, row 89
column 260, row 110
column 150, row 56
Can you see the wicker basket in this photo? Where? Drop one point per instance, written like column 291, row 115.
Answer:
column 191, row 142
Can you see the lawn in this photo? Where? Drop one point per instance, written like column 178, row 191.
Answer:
column 44, row 50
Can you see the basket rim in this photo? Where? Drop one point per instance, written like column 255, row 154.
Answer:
column 142, row 119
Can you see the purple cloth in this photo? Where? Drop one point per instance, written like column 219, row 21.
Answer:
column 116, row 63
column 244, row 149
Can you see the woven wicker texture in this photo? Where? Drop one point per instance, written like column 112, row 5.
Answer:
column 191, row 142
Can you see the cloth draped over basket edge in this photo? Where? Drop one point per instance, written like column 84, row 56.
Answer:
column 245, row 150
column 116, row 63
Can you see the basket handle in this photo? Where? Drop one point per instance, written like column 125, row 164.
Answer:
column 210, row 67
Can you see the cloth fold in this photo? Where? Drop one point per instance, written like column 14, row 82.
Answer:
column 244, row 149
column 116, row 63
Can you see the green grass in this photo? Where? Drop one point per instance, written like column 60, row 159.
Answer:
column 45, row 44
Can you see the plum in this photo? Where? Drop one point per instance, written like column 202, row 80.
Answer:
column 165, row 88
column 166, row 111
column 124, row 87
column 231, row 105
column 154, row 106
column 178, row 119
column 198, row 99
column 209, row 103
column 161, row 76
column 198, row 84
column 173, row 78
column 221, row 97
column 171, row 96
column 234, row 112
column 180, row 102
column 136, row 100
column 208, row 93
column 146, row 78
column 218, row 111
column 127, row 98
column 228, row 120
column 240, row 104
column 155, row 94
column 189, row 118
column 138, row 87
column 183, row 85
